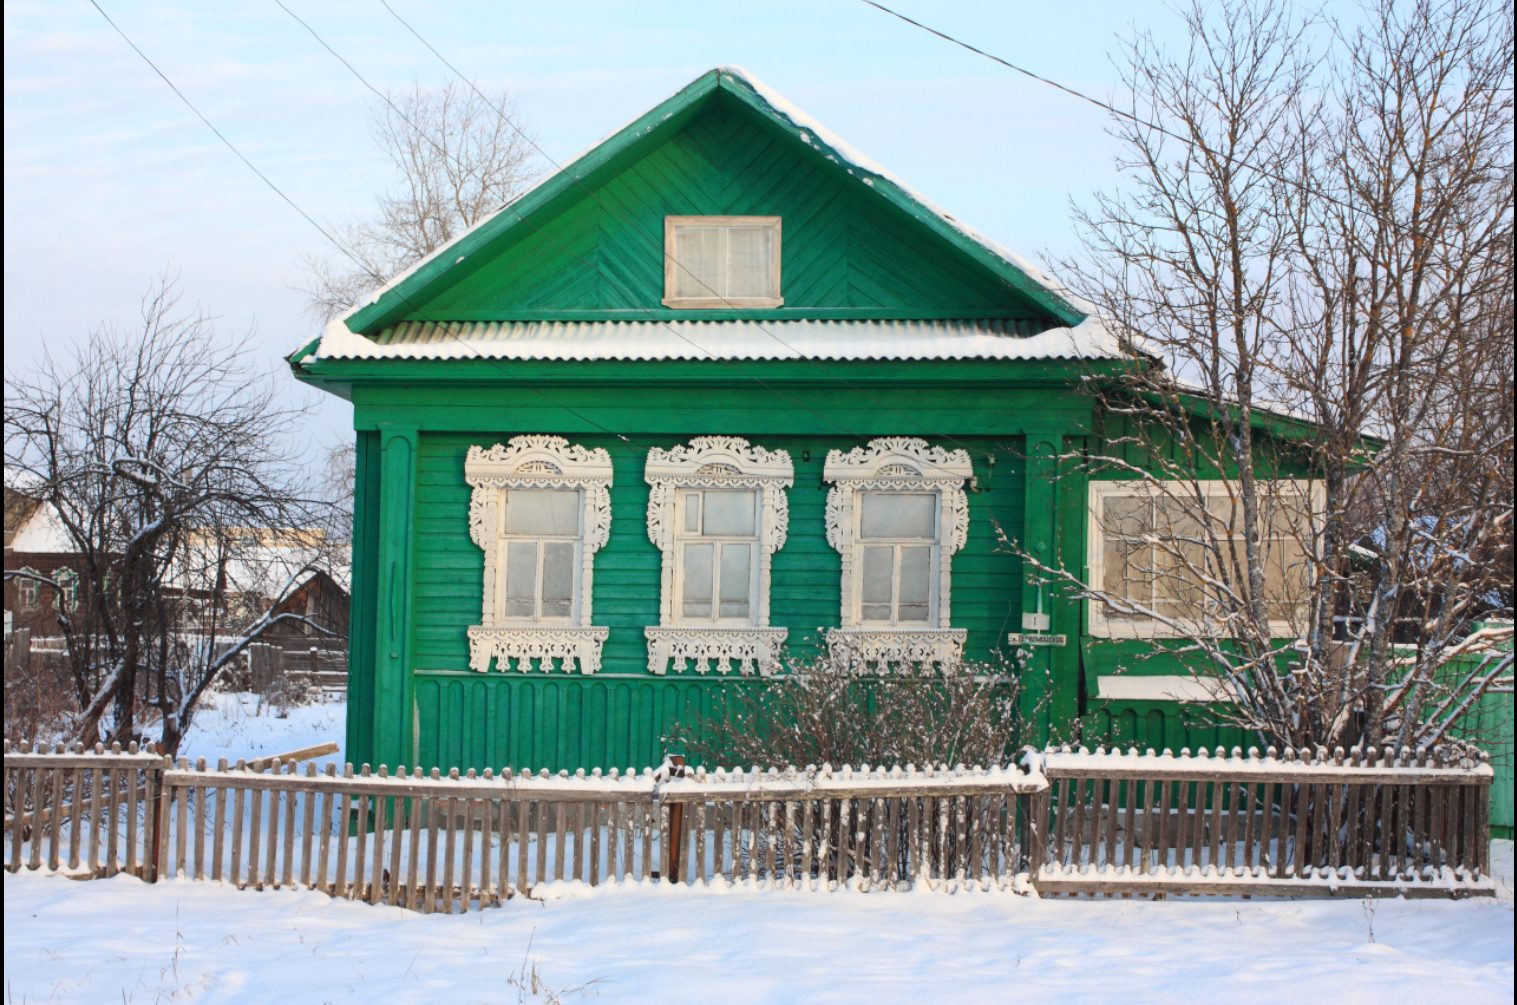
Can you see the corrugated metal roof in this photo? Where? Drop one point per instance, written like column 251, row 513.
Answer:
column 695, row 340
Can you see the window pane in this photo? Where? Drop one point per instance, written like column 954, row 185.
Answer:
column 521, row 579
column 699, row 261
column 1177, row 578
column 558, row 579
column 696, row 602
column 878, row 565
column 692, row 513
column 1284, row 513
column 916, row 583
column 1180, row 517
column 1287, row 571
column 736, row 564
column 730, row 514
column 1222, row 511
column 749, row 262
column 897, row 515
column 1125, row 570
column 1125, row 515
column 542, row 511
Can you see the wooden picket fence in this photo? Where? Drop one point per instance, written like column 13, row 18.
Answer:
column 1361, row 823
column 1061, row 822
column 866, row 829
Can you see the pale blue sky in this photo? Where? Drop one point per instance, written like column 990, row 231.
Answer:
column 109, row 179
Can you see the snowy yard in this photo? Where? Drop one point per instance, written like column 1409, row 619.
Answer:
column 119, row 940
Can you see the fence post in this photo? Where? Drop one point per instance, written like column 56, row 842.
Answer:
column 157, row 807
column 676, row 821
column 1035, row 810
column 18, row 652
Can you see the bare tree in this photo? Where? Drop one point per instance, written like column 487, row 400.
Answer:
column 164, row 456
column 1311, row 454
column 458, row 158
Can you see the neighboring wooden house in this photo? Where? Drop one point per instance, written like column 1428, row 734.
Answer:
column 718, row 385
column 321, row 598
column 36, row 545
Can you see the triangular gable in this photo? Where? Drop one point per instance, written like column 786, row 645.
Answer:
column 511, row 253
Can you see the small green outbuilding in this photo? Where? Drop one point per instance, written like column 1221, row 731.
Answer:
column 719, row 386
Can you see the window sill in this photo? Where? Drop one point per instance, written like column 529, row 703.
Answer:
column 718, row 303
column 708, row 647
column 539, row 643
column 1152, row 630
column 901, row 649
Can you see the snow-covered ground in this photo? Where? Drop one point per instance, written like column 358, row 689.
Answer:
column 237, row 725
column 119, row 940
column 122, row 941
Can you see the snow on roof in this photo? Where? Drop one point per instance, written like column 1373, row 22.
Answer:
column 268, row 569
column 42, row 533
column 855, row 161
column 779, row 340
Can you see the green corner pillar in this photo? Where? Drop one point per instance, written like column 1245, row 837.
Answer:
column 1051, row 534
column 392, row 623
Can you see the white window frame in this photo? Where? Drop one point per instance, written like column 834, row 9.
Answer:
column 527, row 463
column 27, row 597
column 907, row 465
column 68, row 589
column 672, row 267
column 1132, row 628
column 715, row 462
column 935, row 552
column 682, row 537
column 503, row 543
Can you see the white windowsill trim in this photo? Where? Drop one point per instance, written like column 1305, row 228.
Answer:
column 710, row 648
column 539, row 644
column 1124, row 687
column 902, row 649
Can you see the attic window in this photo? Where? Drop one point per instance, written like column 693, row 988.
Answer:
column 714, row 262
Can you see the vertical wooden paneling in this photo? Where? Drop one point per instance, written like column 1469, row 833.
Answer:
column 361, row 621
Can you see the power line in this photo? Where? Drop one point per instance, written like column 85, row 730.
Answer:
column 1189, row 141
column 665, row 252
column 323, row 231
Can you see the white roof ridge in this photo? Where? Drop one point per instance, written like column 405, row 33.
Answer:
column 732, row 339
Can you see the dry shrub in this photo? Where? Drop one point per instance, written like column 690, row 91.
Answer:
column 834, row 709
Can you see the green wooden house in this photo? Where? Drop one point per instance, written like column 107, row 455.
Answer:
column 718, row 387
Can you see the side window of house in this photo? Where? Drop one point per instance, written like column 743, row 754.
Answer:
column 717, row 511
column 26, row 590
column 896, row 513
column 722, row 261
column 540, row 510
column 68, row 589
column 1159, row 551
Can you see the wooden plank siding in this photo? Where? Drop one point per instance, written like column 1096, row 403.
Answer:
column 565, row 720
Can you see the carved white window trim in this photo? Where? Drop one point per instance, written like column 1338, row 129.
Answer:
column 897, row 464
column 716, row 462
column 538, row 462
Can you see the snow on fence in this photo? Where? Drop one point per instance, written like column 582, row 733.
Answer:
column 1376, row 821
column 866, row 829
column 1062, row 822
